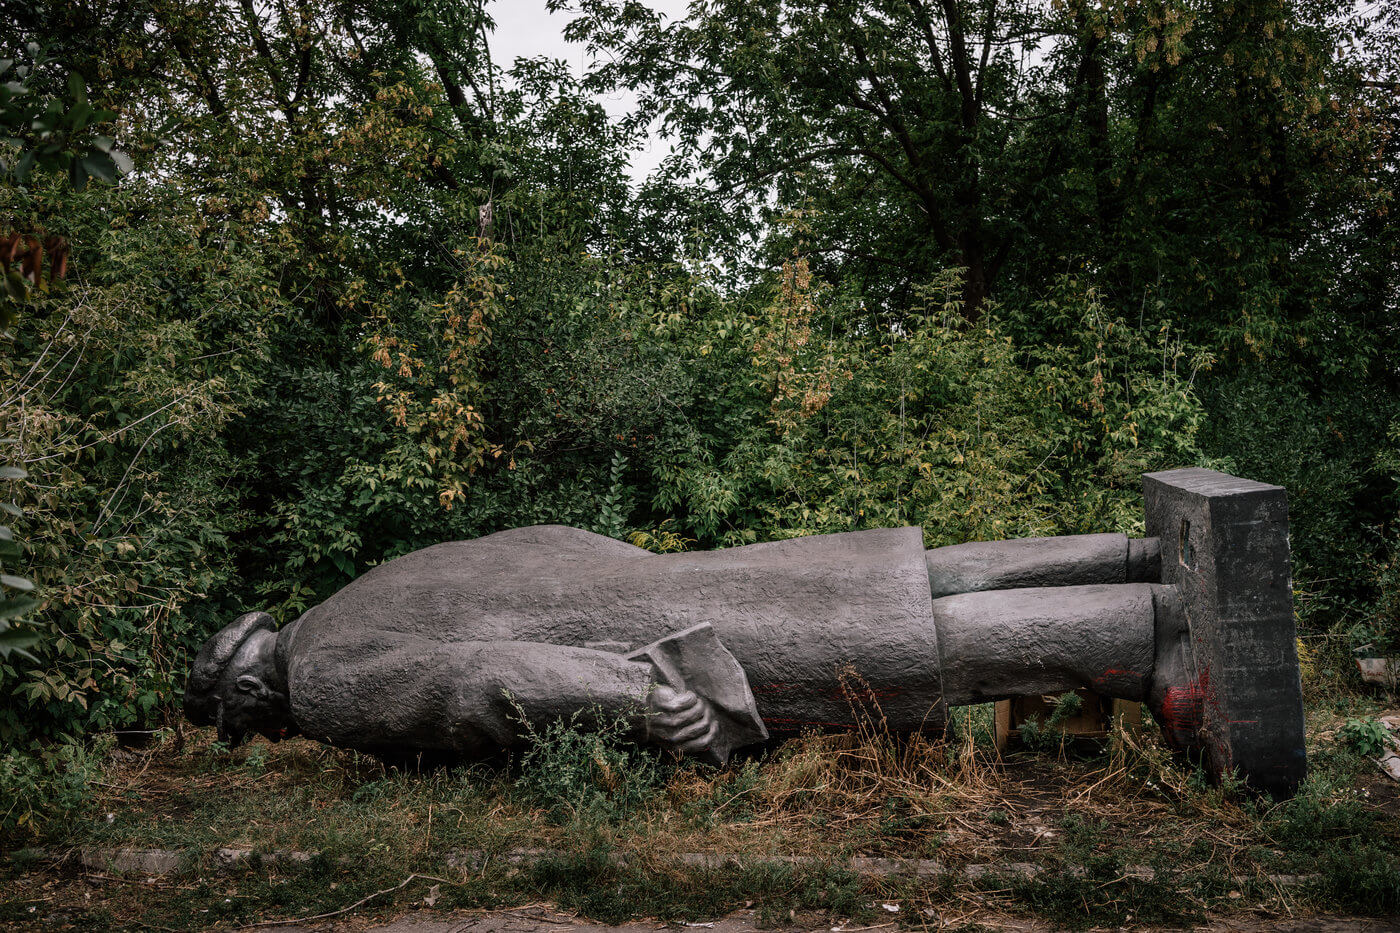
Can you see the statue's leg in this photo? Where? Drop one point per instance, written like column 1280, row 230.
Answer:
column 1038, row 640
column 1070, row 560
column 1211, row 647
column 1127, row 641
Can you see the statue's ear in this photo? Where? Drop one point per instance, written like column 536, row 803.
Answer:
column 247, row 683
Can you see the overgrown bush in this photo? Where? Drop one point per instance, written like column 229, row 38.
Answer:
column 1328, row 446
column 583, row 770
column 47, row 784
column 121, row 397
column 1042, row 735
column 830, row 428
column 1368, row 737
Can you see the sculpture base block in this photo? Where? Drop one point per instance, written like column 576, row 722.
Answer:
column 1224, row 545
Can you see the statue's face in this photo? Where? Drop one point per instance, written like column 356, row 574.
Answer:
column 247, row 702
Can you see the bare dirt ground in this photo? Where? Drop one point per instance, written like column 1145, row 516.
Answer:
column 543, row 920
column 1124, row 837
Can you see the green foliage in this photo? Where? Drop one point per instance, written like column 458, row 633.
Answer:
column 960, row 430
column 1043, row 736
column 1326, row 445
column 612, row 510
column 1368, row 737
column 732, row 796
column 47, row 784
column 1314, row 822
column 1169, row 147
column 1377, row 631
column 127, row 388
column 47, row 133
column 1364, row 878
column 1100, row 896
column 50, row 133
column 597, row 884
column 14, row 602
column 583, row 770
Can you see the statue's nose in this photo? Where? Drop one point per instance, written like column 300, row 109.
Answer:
column 227, row 735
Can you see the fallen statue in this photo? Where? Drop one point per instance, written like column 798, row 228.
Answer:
column 453, row 650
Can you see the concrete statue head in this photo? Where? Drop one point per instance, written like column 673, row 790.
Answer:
column 234, row 684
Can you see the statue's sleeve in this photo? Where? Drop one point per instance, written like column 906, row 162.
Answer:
column 469, row 698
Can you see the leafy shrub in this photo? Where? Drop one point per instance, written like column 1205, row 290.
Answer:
column 1362, row 877
column 805, row 422
column 1367, row 737
column 1313, row 822
column 46, row 784
column 1328, row 444
column 1379, row 634
column 129, row 386
column 732, row 797
column 585, row 770
column 1042, row 736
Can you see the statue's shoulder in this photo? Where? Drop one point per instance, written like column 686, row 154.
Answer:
column 558, row 539
column 466, row 581
column 514, row 553
column 517, row 547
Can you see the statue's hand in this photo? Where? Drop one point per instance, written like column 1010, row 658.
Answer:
column 681, row 719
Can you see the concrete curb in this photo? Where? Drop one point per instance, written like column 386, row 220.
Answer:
column 156, row 863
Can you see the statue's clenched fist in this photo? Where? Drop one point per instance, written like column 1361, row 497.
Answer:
column 680, row 719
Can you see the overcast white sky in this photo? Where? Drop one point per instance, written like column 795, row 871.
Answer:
column 525, row 29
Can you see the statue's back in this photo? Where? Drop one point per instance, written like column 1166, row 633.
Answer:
column 796, row 613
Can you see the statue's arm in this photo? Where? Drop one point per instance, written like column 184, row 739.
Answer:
column 475, row 698
column 504, row 686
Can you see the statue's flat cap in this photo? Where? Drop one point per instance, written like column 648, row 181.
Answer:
column 208, row 668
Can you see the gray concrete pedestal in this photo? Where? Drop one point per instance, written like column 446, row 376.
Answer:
column 1228, row 681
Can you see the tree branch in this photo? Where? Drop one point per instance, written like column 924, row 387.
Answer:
column 926, row 25
column 962, row 69
column 250, row 15
column 304, row 63
column 890, row 114
column 986, row 52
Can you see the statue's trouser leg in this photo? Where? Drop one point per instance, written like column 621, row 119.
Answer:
column 1070, row 560
column 1023, row 642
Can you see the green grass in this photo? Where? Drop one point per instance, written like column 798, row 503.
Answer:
column 614, row 821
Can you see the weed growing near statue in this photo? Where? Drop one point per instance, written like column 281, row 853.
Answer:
column 587, row 772
column 1126, row 832
column 1368, row 737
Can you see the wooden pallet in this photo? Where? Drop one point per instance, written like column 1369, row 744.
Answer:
column 1093, row 721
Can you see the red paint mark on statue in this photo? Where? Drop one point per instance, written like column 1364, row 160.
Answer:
column 1183, row 711
column 1116, row 677
column 783, row 723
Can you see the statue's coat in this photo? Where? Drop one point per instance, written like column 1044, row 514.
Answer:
column 795, row 613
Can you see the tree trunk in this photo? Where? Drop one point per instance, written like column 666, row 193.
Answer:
column 975, row 282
